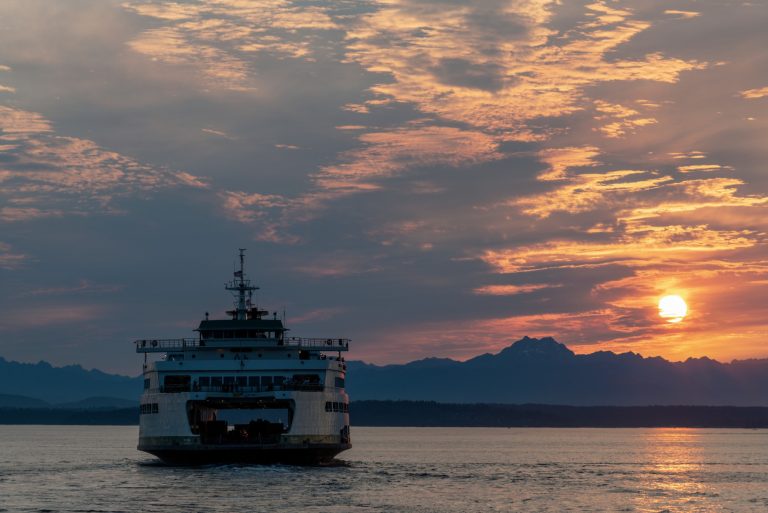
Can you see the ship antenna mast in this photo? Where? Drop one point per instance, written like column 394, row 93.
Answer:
column 242, row 289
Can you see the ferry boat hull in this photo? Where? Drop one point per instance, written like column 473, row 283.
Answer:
column 243, row 391
column 305, row 454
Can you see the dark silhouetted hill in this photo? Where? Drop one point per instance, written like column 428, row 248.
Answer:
column 432, row 414
column 64, row 384
column 21, row 401
column 546, row 372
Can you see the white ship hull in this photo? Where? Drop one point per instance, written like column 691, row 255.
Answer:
column 308, row 435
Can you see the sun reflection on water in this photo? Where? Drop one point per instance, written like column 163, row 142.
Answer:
column 672, row 471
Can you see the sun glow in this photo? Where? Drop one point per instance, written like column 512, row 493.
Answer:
column 672, row 308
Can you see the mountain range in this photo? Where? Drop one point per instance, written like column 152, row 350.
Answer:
column 544, row 371
column 530, row 370
column 61, row 385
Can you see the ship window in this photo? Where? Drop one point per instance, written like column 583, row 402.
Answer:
column 229, row 380
column 279, row 380
column 146, row 384
column 216, row 382
column 306, row 379
column 251, row 333
column 266, row 381
column 205, row 381
column 242, row 333
column 328, row 406
column 335, row 406
column 241, row 381
column 339, row 382
column 253, row 381
column 155, row 408
column 177, row 383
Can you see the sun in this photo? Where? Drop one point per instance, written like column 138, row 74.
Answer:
column 672, row 308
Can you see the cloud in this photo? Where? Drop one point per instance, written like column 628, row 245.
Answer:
column 48, row 175
column 511, row 290
column 499, row 81
column 754, row 94
column 85, row 286
column 215, row 132
column 588, row 191
column 217, row 37
column 319, row 314
column 9, row 259
column 623, row 120
column 387, row 154
column 682, row 14
column 50, row 315
column 702, row 168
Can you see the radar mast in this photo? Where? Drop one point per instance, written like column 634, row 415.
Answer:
column 242, row 289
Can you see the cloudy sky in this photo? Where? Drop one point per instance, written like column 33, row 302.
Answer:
column 426, row 177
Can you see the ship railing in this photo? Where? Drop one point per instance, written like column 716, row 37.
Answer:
column 193, row 344
column 241, row 389
column 166, row 344
column 329, row 344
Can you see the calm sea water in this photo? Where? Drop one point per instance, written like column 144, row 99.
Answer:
column 97, row 469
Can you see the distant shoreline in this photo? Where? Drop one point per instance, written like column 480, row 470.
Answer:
column 433, row 414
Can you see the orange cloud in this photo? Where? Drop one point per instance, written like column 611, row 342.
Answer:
column 753, row 94
column 623, row 120
column 587, row 191
column 559, row 160
column 50, row 175
column 212, row 36
column 532, row 73
column 387, row 154
column 511, row 290
column 642, row 245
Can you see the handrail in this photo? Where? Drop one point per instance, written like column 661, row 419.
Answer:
column 241, row 389
column 193, row 344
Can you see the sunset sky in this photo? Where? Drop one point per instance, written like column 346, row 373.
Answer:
column 426, row 177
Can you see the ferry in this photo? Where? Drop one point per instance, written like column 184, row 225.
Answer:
column 244, row 391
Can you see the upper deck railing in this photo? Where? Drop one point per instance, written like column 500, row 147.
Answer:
column 193, row 344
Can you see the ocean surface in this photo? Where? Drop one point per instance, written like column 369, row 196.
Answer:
column 98, row 469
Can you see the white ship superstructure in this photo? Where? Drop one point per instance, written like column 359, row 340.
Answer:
column 244, row 391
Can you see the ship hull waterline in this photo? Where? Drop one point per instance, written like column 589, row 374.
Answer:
column 306, row 454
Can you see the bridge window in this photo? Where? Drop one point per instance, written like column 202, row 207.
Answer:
column 339, row 382
column 148, row 408
column 174, row 384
